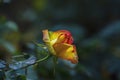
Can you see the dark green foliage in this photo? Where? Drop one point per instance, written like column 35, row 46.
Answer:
column 21, row 77
column 2, row 75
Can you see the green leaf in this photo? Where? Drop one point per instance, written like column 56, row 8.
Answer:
column 2, row 75
column 8, row 46
column 21, row 77
column 12, row 25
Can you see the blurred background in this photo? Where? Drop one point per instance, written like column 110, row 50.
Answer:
column 94, row 24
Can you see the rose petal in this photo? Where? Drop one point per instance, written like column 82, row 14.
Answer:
column 66, row 51
column 46, row 36
column 61, row 36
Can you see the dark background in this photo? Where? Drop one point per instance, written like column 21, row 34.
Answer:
column 94, row 24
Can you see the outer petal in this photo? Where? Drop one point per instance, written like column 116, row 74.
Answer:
column 61, row 36
column 66, row 51
column 46, row 39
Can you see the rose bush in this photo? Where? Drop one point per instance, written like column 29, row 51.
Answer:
column 60, row 44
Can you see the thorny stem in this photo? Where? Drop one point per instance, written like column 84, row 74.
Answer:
column 40, row 60
column 43, row 59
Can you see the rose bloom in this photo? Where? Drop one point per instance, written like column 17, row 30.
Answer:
column 59, row 43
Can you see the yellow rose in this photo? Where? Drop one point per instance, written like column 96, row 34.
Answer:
column 59, row 44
